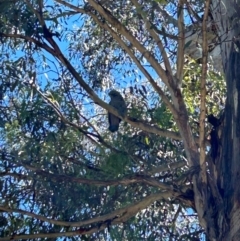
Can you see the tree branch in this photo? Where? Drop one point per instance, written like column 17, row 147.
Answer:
column 181, row 42
column 118, row 216
column 156, row 87
column 131, row 179
column 154, row 36
column 126, row 33
column 203, row 95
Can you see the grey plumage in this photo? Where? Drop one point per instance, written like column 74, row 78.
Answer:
column 118, row 103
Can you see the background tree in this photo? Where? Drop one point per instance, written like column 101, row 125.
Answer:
column 167, row 173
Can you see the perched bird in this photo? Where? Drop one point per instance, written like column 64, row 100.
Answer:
column 118, row 103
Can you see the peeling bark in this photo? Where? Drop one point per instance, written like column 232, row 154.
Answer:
column 223, row 215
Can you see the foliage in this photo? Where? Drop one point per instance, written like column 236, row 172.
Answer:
column 62, row 172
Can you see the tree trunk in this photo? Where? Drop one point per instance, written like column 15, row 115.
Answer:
column 224, row 224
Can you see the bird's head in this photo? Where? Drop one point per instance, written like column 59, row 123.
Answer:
column 114, row 93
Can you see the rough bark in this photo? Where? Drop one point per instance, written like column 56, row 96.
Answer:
column 223, row 217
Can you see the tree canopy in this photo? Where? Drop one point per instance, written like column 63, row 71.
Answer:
column 62, row 173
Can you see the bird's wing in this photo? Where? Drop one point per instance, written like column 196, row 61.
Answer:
column 113, row 122
column 120, row 105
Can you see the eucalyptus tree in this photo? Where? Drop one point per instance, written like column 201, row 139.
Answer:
column 170, row 171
